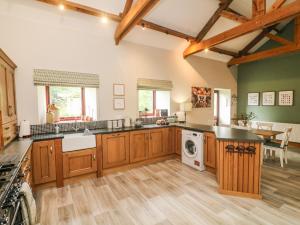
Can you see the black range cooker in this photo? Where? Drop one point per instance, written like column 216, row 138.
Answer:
column 10, row 184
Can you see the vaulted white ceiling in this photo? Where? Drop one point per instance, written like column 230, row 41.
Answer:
column 186, row 16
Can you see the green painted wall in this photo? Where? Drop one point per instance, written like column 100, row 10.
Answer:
column 273, row 74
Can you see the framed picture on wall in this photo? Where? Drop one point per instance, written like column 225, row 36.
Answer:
column 253, row 98
column 285, row 98
column 119, row 89
column 268, row 98
column 119, row 103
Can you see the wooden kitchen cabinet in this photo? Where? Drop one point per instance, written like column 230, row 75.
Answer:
column 7, row 98
column 79, row 162
column 210, row 150
column 156, row 143
column 139, row 146
column 115, row 149
column 169, row 140
column 26, row 167
column 178, row 141
column 44, row 164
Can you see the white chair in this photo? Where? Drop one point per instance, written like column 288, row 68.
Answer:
column 264, row 126
column 280, row 147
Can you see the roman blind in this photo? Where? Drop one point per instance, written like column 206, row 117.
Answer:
column 63, row 78
column 153, row 84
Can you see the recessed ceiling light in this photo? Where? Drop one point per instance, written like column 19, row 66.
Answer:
column 206, row 50
column 61, row 7
column 104, row 19
column 143, row 27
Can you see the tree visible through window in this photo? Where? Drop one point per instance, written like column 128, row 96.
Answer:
column 74, row 103
column 68, row 100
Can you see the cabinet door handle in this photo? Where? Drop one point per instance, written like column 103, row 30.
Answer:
column 94, row 157
column 7, row 138
column 6, row 128
column 51, row 149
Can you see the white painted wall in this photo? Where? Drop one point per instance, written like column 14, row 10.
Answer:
column 36, row 35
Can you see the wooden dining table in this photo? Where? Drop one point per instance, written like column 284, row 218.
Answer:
column 267, row 134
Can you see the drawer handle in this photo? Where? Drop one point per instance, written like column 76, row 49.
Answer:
column 6, row 128
column 251, row 150
column 114, row 135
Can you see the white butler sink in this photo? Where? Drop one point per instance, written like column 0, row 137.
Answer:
column 78, row 141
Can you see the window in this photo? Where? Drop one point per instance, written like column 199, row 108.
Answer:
column 151, row 102
column 73, row 102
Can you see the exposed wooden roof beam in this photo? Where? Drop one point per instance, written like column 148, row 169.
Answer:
column 259, row 22
column 165, row 30
column 224, row 52
column 223, row 5
column 127, row 7
column 234, row 16
column 278, row 39
column 288, row 47
column 265, row 54
column 149, row 25
column 83, row 9
column 95, row 12
column 277, row 4
column 133, row 17
column 258, row 8
column 255, row 41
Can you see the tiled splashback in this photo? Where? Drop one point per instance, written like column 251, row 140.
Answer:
column 69, row 127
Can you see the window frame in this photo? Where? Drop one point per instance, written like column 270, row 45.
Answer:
column 70, row 118
column 153, row 113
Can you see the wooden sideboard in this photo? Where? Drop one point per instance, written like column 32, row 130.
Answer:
column 7, row 100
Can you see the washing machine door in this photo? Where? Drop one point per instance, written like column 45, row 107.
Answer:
column 190, row 149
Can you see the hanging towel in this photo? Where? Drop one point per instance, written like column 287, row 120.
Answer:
column 30, row 202
column 24, row 211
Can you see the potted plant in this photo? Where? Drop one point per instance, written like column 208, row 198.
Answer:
column 247, row 117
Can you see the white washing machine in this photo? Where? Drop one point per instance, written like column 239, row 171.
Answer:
column 192, row 149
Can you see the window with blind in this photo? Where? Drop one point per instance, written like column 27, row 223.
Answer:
column 154, row 97
column 74, row 94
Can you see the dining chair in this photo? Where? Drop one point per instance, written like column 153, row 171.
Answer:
column 279, row 147
column 264, row 126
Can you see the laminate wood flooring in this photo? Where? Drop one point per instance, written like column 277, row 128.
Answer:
column 170, row 193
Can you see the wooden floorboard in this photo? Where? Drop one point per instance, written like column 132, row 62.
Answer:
column 170, row 193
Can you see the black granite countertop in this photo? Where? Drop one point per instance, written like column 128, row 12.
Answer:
column 15, row 151
column 43, row 137
column 222, row 133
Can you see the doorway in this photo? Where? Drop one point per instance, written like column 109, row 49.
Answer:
column 222, row 107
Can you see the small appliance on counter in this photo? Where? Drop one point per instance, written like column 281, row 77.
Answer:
column 138, row 123
column 127, row 122
column 24, row 128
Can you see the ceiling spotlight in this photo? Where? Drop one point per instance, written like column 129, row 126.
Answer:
column 143, row 26
column 104, row 19
column 61, row 7
column 206, row 50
